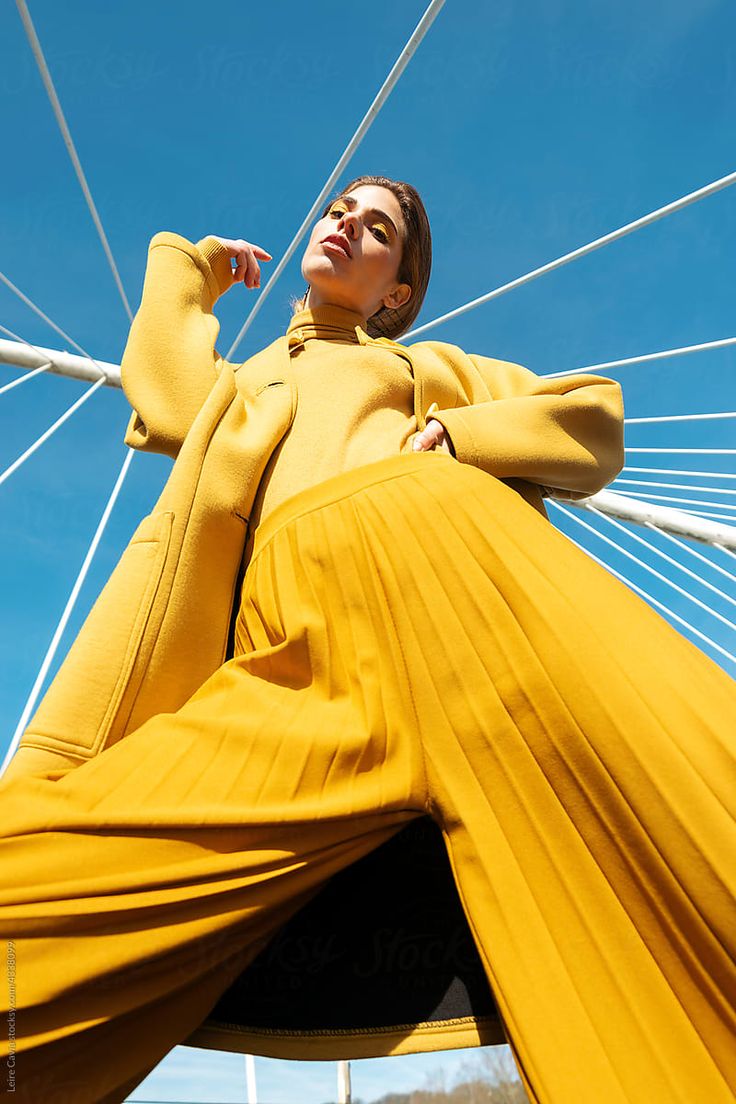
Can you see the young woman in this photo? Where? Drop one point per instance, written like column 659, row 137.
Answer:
column 349, row 609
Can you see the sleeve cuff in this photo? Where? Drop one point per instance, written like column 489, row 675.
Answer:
column 210, row 256
column 217, row 257
column 458, row 431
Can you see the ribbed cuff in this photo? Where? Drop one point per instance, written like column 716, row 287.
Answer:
column 217, row 256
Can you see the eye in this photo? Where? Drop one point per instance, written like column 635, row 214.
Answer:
column 338, row 211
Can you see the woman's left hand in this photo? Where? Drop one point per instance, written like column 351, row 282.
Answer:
column 433, row 435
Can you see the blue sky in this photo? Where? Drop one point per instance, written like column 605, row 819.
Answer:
column 529, row 128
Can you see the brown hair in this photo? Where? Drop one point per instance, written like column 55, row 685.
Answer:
column 416, row 258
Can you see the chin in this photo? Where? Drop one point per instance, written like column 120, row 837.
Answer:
column 324, row 282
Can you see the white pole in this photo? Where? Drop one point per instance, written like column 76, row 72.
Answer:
column 668, row 519
column 664, row 517
column 344, row 1095
column 62, row 363
column 250, row 1076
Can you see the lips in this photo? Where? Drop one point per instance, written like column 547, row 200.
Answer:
column 338, row 241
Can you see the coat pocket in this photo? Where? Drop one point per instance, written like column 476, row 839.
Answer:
column 86, row 706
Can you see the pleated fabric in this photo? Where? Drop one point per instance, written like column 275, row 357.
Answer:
column 413, row 637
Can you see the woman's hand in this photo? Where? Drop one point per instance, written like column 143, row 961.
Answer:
column 434, row 434
column 247, row 256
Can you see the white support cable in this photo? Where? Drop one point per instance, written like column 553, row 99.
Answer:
column 645, row 220
column 400, row 64
column 653, row 571
column 672, row 486
column 681, row 351
column 62, row 363
column 724, row 548
column 68, row 142
column 644, row 594
column 43, row 367
column 694, row 451
column 45, row 317
column 25, row 377
column 679, row 500
column 693, row 551
column 675, row 563
column 680, row 471
column 681, row 417
column 705, row 514
column 47, row 660
column 52, row 429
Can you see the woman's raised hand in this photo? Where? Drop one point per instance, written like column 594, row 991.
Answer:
column 247, row 255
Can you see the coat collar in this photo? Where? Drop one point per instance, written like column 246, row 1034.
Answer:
column 327, row 322
column 332, row 323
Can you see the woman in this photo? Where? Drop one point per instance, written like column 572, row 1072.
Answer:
column 411, row 637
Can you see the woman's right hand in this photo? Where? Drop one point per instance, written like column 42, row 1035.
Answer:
column 247, row 255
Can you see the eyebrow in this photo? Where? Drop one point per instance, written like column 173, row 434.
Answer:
column 352, row 201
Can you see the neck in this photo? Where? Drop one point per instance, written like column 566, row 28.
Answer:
column 314, row 301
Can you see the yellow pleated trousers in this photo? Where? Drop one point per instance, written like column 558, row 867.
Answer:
column 413, row 638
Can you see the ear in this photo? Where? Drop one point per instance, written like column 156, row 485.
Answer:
column 396, row 298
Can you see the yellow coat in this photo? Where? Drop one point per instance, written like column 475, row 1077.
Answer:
column 160, row 626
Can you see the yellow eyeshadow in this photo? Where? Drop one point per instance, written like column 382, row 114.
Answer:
column 376, row 225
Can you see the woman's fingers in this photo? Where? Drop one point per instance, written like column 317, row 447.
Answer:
column 246, row 253
column 433, row 435
column 429, row 436
column 247, row 268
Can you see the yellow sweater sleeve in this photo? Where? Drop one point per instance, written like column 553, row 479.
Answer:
column 170, row 362
column 565, row 434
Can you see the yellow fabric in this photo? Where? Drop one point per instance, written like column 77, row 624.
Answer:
column 564, row 433
column 149, row 650
column 356, row 405
column 412, row 638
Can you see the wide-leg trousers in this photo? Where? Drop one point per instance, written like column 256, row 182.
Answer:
column 413, row 638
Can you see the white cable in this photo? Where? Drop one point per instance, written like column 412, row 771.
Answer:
column 399, row 65
column 693, row 551
column 31, row 702
column 679, row 500
column 681, row 417
column 674, row 486
column 679, row 471
column 45, row 317
column 676, row 563
column 705, row 514
column 52, row 429
column 668, row 209
column 682, row 351
column 698, row 451
column 644, row 593
column 68, row 142
column 647, row 567
column 26, row 375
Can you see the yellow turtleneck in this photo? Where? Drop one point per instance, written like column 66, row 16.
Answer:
column 355, row 405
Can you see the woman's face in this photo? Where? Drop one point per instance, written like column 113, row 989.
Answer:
column 363, row 275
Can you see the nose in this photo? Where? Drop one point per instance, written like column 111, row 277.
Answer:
column 349, row 225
